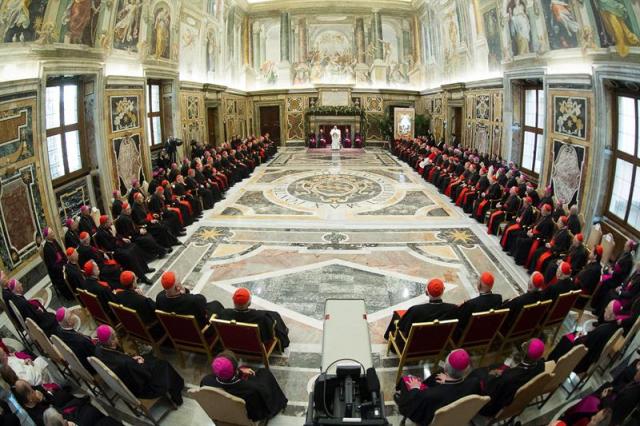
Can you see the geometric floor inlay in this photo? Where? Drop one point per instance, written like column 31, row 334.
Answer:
column 305, row 291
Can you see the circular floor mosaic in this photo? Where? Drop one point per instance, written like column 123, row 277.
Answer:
column 335, row 189
column 353, row 189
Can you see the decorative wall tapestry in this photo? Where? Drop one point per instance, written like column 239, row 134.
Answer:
column 481, row 142
column 128, row 160
column 126, row 31
column 16, row 137
column 125, row 113
column 193, row 108
column 566, row 174
column 437, row 106
column 570, row 116
column 22, row 215
column 71, row 197
column 483, row 107
column 403, row 123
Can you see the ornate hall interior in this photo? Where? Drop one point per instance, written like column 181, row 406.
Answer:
column 310, row 152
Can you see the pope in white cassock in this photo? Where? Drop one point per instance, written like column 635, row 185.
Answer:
column 336, row 137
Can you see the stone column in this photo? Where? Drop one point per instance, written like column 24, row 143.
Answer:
column 377, row 35
column 284, row 69
column 256, row 47
column 360, row 45
column 379, row 68
column 417, row 40
column 285, row 30
column 302, row 40
column 245, row 41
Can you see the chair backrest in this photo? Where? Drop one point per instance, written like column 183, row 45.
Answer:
column 183, row 330
column 72, row 360
column 561, row 307
column 43, row 341
column 564, row 366
column 608, row 351
column 482, row 327
column 131, row 321
column 18, row 315
column 428, row 338
column 220, row 406
column 459, row 412
column 594, row 236
column 93, row 305
column 239, row 337
column 608, row 244
column 112, row 381
column 632, row 333
column 528, row 320
column 526, row 394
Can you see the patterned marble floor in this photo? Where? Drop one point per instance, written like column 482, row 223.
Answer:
column 315, row 225
column 311, row 226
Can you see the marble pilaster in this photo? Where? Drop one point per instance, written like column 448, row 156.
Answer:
column 360, row 45
column 377, row 35
column 285, row 30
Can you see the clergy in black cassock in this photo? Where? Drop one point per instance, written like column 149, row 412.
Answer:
column 81, row 345
column 595, row 341
column 54, row 259
column 426, row 312
column 502, row 382
column 259, row 389
column 175, row 298
column 419, row 400
column 270, row 323
column 485, row 301
column 146, row 377
column 30, row 308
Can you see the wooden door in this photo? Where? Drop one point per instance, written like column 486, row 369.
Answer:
column 212, row 125
column 457, row 129
column 270, row 122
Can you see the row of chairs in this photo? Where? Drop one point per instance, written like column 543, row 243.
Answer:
column 220, row 406
column 536, row 392
column 431, row 340
column 183, row 331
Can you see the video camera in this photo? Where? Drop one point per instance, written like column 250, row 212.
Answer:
column 347, row 397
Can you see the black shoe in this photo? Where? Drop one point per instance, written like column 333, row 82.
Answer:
column 145, row 280
column 162, row 255
column 150, row 270
column 177, row 399
column 182, row 234
column 169, row 250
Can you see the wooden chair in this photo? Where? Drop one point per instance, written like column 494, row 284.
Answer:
column 426, row 340
column 152, row 333
column 459, row 412
column 79, row 371
column 559, row 311
column 47, row 348
column 622, row 344
column 18, row 323
column 527, row 393
column 595, row 236
column 149, row 409
column 605, row 356
column 222, row 407
column 481, row 331
column 525, row 324
column 608, row 244
column 562, row 371
column 98, row 313
column 244, row 340
column 186, row 335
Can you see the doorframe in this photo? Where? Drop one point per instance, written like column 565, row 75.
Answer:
column 219, row 128
column 283, row 122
